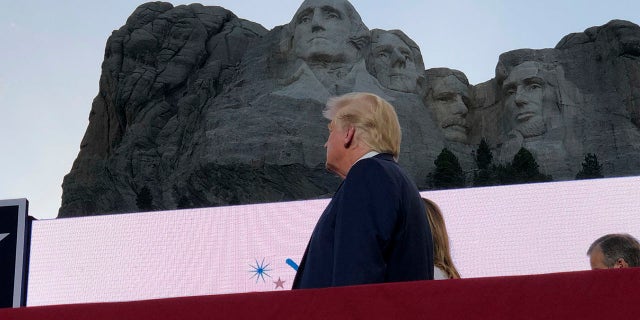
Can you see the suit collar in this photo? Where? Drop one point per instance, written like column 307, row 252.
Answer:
column 384, row 156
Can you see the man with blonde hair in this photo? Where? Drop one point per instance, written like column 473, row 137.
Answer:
column 374, row 229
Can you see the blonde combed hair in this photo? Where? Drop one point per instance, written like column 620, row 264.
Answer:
column 441, row 252
column 374, row 118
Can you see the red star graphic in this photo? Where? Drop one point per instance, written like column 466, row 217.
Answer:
column 279, row 283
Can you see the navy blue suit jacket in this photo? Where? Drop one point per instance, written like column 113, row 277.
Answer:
column 374, row 230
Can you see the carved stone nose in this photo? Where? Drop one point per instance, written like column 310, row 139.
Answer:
column 520, row 99
column 316, row 21
column 459, row 107
column 399, row 60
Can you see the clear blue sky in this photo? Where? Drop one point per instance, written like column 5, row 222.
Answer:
column 51, row 51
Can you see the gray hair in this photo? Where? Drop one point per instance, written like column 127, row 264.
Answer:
column 616, row 246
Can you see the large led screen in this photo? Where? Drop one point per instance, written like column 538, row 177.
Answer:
column 494, row 231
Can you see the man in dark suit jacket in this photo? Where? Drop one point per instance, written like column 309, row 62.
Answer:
column 375, row 228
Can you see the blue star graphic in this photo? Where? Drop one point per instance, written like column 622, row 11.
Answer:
column 260, row 270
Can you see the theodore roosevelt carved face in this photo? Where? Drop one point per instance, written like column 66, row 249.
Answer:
column 449, row 98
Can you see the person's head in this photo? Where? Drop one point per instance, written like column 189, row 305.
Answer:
column 448, row 96
column 360, row 122
column 528, row 89
column 395, row 60
column 614, row 251
column 441, row 252
column 327, row 31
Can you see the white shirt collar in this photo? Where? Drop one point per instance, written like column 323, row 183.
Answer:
column 369, row 155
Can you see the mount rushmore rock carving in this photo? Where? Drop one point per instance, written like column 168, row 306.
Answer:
column 197, row 107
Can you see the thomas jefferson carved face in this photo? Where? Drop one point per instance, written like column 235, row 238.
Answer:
column 524, row 92
column 322, row 29
column 393, row 62
column 450, row 101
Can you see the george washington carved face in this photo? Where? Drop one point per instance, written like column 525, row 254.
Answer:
column 323, row 30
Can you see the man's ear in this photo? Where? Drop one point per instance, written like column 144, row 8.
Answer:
column 620, row 263
column 349, row 135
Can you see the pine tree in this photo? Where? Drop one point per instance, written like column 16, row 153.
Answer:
column 483, row 157
column 504, row 174
column 486, row 174
column 448, row 172
column 144, row 199
column 525, row 168
column 524, row 163
column 183, row 203
column 591, row 169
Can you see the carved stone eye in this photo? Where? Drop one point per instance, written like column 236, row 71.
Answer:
column 331, row 15
column 305, row 18
column 534, row 86
column 445, row 97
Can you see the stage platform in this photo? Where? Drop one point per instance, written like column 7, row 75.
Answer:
column 601, row 294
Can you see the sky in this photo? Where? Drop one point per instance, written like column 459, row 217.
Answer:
column 51, row 53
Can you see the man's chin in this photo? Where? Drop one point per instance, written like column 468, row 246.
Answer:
column 334, row 170
column 456, row 135
column 329, row 167
column 402, row 84
column 532, row 128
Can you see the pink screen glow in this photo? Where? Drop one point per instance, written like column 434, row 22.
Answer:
column 494, row 231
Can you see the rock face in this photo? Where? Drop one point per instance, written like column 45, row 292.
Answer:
column 202, row 108
column 581, row 97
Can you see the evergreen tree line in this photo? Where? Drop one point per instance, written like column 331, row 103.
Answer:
column 523, row 168
column 448, row 173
